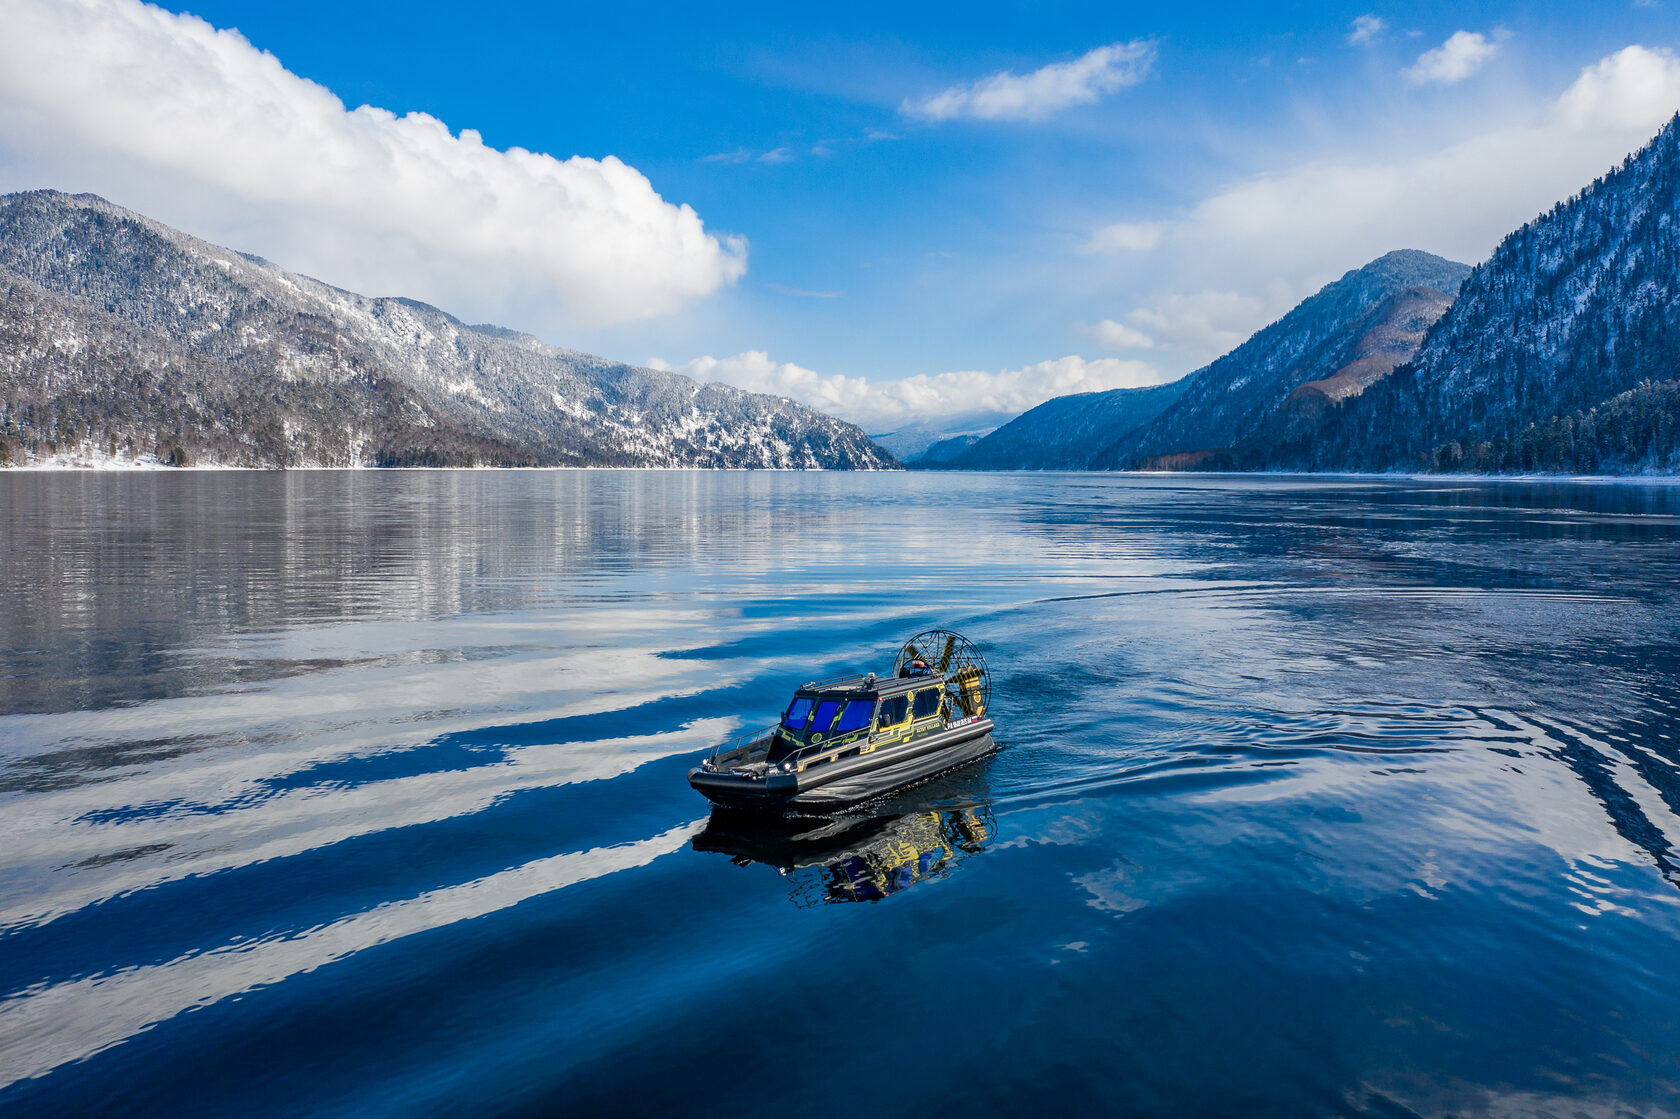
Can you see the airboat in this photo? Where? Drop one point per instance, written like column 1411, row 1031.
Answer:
column 853, row 738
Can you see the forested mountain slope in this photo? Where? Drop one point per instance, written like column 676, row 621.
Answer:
column 121, row 333
column 1061, row 434
column 1572, row 310
column 1340, row 341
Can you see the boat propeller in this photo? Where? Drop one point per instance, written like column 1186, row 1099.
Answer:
column 968, row 683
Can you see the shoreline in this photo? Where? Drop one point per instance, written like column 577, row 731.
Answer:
column 157, row 466
column 151, row 464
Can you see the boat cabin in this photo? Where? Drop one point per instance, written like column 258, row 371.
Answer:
column 856, row 714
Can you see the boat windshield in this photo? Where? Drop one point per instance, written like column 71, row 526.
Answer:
column 816, row 715
column 824, row 715
column 798, row 711
column 856, row 716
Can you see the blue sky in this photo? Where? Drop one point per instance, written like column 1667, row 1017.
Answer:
column 905, row 214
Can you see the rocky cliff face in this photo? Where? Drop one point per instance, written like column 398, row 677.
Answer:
column 123, row 334
column 1392, row 341
column 1339, row 341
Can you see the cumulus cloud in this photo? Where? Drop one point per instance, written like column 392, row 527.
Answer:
column 1205, row 324
column 1061, row 85
column 1253, row 248
column 1456, row 59
column 947, row 398
column 1627, row 95
column 1117, row 336
column 1137, row 236
column 1366, row 28
column 196, row 126
column 1461, row 198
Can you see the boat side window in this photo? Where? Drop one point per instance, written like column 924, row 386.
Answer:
column 798, row 711
column 824, row 716
column 856, row 716
column 894, row 710
column 927, row 703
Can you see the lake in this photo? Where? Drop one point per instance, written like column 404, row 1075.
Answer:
column 337, row 793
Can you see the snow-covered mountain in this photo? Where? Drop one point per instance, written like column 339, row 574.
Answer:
column 1061, row 434
column 924, row 445
column 124, row 334
column 1334, row 344
column 1554, row 349
column 908, row 444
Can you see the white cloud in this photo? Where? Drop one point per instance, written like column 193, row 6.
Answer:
column 1281, row 235
column 1111, row 335
column 1460, row 199
column 1124, row 236
column 1193, row 327
column 1061, row 85
column 1367, row 28
column 881, row 406
column 1456, row 59
column 199, row 128
column 1205, row 324
column 1628, row 94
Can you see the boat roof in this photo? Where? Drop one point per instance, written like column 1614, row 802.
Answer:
column 869, row 684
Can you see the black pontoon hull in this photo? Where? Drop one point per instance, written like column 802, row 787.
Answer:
column 843, row 783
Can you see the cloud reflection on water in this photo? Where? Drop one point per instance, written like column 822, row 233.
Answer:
column 71, row 1021
column 1275, row 749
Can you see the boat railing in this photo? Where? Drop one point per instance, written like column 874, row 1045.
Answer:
column 741, row 744
column 735, row 750
column 793, row 758
column 835, row 682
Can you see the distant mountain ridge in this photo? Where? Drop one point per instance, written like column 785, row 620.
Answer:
column 947, row 449
column 1060, row 434
column 909, row 443
column 1229, row 404
column 1334, row 345
column 1392, row 340
column 120, row 333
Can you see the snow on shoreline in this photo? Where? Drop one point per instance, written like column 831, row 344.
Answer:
column 90, row 458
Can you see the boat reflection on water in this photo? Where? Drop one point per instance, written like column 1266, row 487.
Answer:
column 858, row 857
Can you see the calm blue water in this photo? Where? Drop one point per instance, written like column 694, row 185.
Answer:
column 362, row 794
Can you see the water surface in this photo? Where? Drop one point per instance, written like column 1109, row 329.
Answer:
column 362, row 793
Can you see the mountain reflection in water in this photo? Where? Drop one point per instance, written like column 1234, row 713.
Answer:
column 362, row 793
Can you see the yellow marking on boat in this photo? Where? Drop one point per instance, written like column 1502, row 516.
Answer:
column 968, row 690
